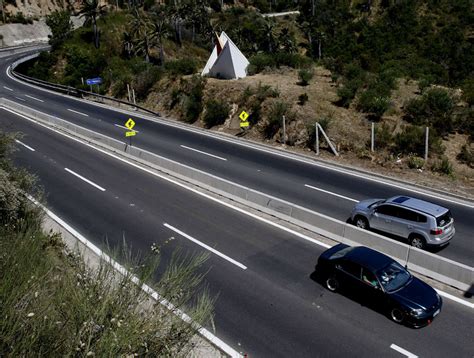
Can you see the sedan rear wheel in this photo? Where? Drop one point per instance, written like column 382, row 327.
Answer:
column 397, row 315
column 332, row 284
column 361, row 222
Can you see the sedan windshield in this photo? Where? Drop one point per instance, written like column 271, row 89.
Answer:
column 393, row 277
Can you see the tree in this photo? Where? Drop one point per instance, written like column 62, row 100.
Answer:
column 61, row 26
column 91, row 10
column 287, row 41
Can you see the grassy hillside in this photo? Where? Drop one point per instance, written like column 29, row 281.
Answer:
column 401, row 64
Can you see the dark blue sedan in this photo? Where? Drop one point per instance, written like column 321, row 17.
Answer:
column 377, row 278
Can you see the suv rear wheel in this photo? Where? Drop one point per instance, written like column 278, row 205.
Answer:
column 361, row 222
column 417, row 241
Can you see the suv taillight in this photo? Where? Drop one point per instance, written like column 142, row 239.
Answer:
column 437, row 231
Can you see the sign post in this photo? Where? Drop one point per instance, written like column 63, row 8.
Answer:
column 94, row 81
column 130, row 133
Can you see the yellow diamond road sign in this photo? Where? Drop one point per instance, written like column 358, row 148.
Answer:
column 130, row 133
column 243, row 116
column 130, row 124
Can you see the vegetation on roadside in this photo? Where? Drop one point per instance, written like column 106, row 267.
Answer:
column 53, row 304
column 370, row 48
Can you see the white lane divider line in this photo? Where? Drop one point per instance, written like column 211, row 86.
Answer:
column 403, row 351
column 455, row 299
column 82, row 114
column 36, row 99
column 236, row 263
column 24, row 145
column 21, row 99
column 118, row 125
column 199, row 151
column 85, row 179
column 7, row 88
column 331, row 193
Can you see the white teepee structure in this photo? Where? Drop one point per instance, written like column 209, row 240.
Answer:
column 226, row 60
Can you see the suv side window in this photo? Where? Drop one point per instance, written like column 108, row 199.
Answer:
column 407, row 214
column 351, row 268
column 421, row 218
column 389, row 210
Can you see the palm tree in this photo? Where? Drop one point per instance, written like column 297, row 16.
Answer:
column 127, row 41
column 91, row 10
column 287, row 41
column 159, row 30
column 269, row 31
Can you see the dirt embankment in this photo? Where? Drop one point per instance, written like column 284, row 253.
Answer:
column 348, row 129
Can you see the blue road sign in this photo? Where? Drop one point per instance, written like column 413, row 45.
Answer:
column 94, row 81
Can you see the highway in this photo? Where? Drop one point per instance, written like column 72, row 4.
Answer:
column 307, row 183
column 268, row 305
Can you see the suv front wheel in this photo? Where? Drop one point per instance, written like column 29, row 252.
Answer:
column 361, row 222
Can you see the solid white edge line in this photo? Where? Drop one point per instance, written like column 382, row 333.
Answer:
column 7, row 88
column 36, row 99
column 85, row 179
column 304, row 237
column 21, row 99
column 131, row 130
column 331, row 193
column 403, row 351
column 82, row 114
column 255, row 147
column 207, row 247
column 455, row 299
column 200, row 151
column 146, row 288
column 24, row 145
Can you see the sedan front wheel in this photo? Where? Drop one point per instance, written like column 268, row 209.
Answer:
column 361, row 222
column 332, row 284
column 397, row 315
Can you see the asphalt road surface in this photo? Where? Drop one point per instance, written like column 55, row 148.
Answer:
column 268, row 305
column 309, row 184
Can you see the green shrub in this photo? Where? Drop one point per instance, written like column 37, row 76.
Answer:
column 325, row 123
column 346, row 93
column 275, row 119
column 259, row 62
column 468, row 91
column 373, row 103
column 305, row 76
column 434, row 108
column 383, row 136
column 443, row 166
column 415, row 162
column 466, row 155
column 185, row 66
column 216, row 113
column 193, row 101
column 144, row 81
column 302, row 99
column 412, row 140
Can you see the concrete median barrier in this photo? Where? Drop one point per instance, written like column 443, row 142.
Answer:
column 439, row 268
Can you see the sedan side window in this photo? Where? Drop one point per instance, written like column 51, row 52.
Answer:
column 369, row 278
column 351, row 268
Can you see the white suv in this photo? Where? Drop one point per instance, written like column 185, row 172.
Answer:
column 420, row 222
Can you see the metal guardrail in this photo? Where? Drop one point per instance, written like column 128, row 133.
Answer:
column 69, row 90
column 437, row 267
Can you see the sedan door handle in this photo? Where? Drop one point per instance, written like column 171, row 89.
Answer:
column 410, row 226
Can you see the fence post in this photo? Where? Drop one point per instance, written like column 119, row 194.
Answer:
column 128, row 91
column 426, row 142
column 372, row 137
column 284, row 130
column 317, row 138
column 133, row 92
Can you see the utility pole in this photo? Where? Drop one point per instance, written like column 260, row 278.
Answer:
column 284, row 130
